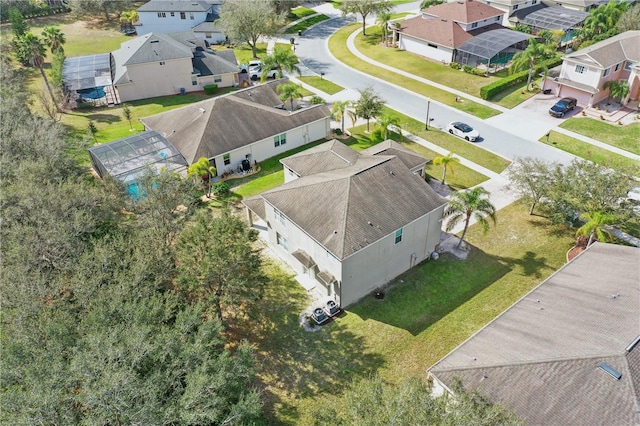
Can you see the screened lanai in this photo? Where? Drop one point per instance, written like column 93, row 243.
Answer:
column 554, row 18
column 89, row 77
column 491, row 48
column 126, row 159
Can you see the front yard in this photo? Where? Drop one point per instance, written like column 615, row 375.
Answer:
column 624, row 137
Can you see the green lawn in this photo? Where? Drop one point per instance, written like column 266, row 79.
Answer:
column 624, row 137
column 244, row 53
column 338, row 47
column 322, row 84
column 427, row 312
column 307, row 23
column 587, row 151
column 299, row 13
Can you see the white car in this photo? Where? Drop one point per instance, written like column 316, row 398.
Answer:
column 463, row 131
column 255, row 74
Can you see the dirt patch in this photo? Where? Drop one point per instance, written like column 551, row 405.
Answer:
column 441, row 188
column 581, row 245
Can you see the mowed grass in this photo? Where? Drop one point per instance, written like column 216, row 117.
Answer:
column 307, row 23
column 587, row 151
column 299, row 13
column 321, row 84
column 338, row 47
column 426, row 313
column 625, row 137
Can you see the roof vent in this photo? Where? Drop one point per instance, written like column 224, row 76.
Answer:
column 443, row 20
column 154, row 41
column 391, row 173
column 610, row 370
column 369, row 222
column 632, row 344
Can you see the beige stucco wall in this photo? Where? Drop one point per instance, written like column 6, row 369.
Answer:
column 226, row 80
column 152, row 79
column 379, row 263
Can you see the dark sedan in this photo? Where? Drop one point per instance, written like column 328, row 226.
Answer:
column 563, row 106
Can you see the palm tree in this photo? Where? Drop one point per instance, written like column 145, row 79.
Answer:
column 383, row 20
column 595, row 226
column 465, row 204
column 339, row 110
column 447, row 164
column 127, row 18
column 54, row 38
column 202, row 168
column 617, row 89
column 534, row 52
column 289, row 92
column 35, row 52
column 388, row 120
column 282, row 59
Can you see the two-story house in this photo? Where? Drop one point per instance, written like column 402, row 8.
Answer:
column 466, row 31
column 249, row 124
column 584, row 73
column 349, row 221
column 173, row 16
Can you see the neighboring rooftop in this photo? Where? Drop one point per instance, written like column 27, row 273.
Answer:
column 363, row 198
column 541, row 357
column 463, row 11
column 175, row 6
column 219, row 125
column 612, row 51
column 554, row 18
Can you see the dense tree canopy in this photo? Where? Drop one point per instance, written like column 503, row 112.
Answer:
column 94, row 330
column 365, row 8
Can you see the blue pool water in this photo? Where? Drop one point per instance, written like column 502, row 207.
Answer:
column 93, row 93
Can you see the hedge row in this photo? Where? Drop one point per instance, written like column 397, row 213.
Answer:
column 492, row 89
column 210, row 89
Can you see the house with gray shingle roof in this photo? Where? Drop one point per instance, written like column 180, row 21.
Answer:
column 167, row 64
column 350, row 222
column 566, row 353
column 249, row 124
column 465, row 31
column 584, row 73
column 172, row 16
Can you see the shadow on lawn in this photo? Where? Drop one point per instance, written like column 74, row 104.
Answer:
column 422, row 296
column 298, row 362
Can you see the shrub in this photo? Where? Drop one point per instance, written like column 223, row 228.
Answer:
column 377, row 135
column 316, row 100
column 337, row 131
column 210, row 89
column 454, row 65
column 471, row 70
column 220, row 189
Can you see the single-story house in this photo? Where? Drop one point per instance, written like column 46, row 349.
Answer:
column 584, row 73
column 249, row 124
column 350, row 222
column 566, row 353
column 466, row 31
column 173, row 16
column 167, row 64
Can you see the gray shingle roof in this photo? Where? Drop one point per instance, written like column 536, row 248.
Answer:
column 220, row 125
column 175, row 6
column 348, row 208
column 625, row 46
column 391, row 147
column 541, row 356
column 321, row 158
column 213, row 64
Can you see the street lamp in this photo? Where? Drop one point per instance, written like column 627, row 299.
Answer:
column 426, row 124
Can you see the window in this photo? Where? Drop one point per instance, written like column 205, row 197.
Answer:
column 191, row 16
column 606, row 72
column 628, row 65
column 398, row 236
column 162, row 62
column 217, row 78
column 497, row 17
column 183, row 15
column 617, row 67
column 515, row 7
column 280, row 140
column 227, row 159
column 580, row 69
column 282, row 241
column 534, row 2
column 207, row 35
column 194, row 80
column 433, row 46
column 474, row 25
column 162, row 14
column 173, row 14
column 279, row 216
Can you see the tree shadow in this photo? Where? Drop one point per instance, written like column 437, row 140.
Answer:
column 531, row 264
column 550, row 228
column 298, row 362
column 433, row 289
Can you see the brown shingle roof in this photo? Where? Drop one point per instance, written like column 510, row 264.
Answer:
column 541, row 356
column 464, row 12
column 349, row 208
column 220, row 125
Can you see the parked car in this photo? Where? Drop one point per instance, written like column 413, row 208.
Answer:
column 255, row 74
column 463, row 131
column 563, row 106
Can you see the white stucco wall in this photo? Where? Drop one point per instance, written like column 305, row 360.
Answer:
column 379, row 263
column 265, row 148
column 494, row 20
column 151, row 23
column 421, row 47
column 214, row 37
column 152, row 79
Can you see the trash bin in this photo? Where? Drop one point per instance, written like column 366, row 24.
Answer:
column 183, row 91
column 299, row 32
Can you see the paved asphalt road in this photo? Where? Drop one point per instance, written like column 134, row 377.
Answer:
column 511, row 135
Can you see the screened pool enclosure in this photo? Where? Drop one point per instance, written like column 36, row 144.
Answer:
column 127, row 159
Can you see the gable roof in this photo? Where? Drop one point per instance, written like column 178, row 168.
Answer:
column 442, row 32
column 541, row 357
column 391, row 147
column 325, row 157
column 625, row 46
column 175, row 6
column 465, row 12
column 222, row 124
column 361, row 202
